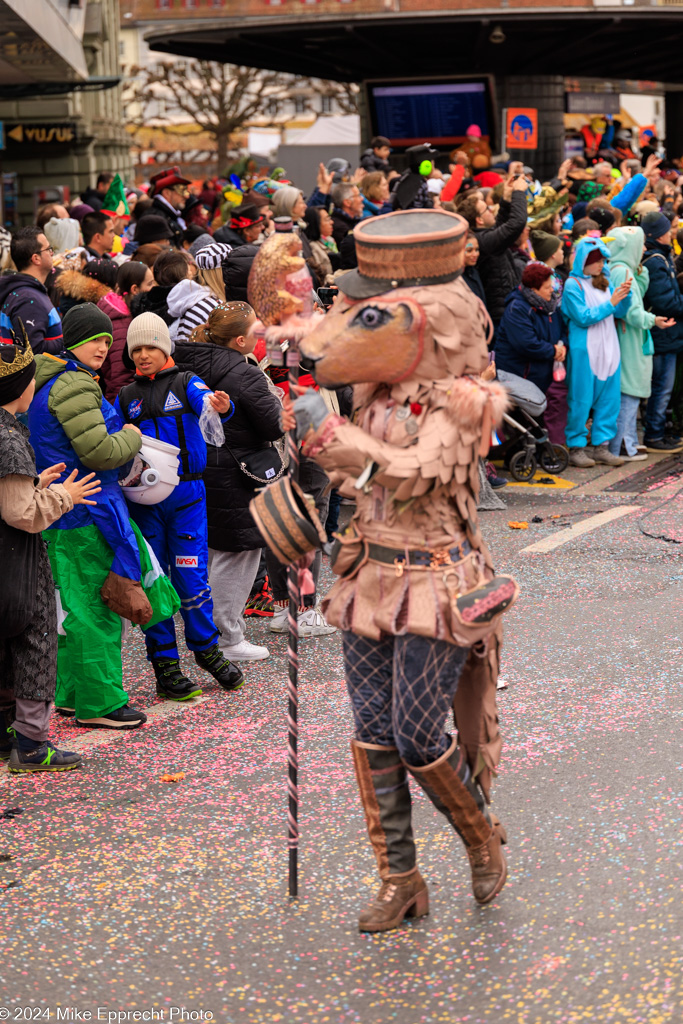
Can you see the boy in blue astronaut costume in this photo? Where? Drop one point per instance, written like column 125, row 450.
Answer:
column 165, row 402
column 590, row 305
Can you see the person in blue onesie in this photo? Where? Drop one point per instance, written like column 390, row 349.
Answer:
column 165, row 402
column 589, row 307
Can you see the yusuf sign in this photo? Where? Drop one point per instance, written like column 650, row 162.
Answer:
column 44, row 133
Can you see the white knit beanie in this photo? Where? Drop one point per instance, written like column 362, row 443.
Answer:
column 150, row 330
column 62, row 233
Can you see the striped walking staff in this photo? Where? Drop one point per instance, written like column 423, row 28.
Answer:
column 290, row 526
column 293, row 666
column 279, row 289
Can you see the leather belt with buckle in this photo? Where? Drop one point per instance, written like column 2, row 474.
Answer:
column 417, row 558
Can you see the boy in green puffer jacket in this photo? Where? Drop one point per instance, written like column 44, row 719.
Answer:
column 98, row 557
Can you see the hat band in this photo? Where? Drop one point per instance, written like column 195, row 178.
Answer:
column 440, row 260
column 244, row 222
column 387, row 285
column 93, row 337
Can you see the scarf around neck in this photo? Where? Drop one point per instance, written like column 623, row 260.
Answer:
column 535, row 300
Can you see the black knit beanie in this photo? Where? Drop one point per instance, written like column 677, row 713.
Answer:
column 85, row 322
column 17, row 370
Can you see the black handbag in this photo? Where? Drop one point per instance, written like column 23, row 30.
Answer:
column 19, row 554
column 264, row 466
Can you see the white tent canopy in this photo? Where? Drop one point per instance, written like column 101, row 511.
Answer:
column 327, row 138
column 341, row 130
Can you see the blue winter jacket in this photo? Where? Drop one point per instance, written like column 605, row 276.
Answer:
column 67, row 413
column 168, row 406
column 23, row 297
column 526, row 340
column 625, row 199
column 663, row 297
column 371, row 209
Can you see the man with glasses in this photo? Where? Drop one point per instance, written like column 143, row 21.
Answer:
column 24, row 296
column 169, row 190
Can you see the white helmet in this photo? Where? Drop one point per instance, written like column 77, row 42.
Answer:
column 154, row 473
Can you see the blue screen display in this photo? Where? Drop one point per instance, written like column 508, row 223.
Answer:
column 429, row 112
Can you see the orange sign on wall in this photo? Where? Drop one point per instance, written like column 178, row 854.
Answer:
column 522, row 128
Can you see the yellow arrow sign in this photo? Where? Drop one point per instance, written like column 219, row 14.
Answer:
column 17, row 133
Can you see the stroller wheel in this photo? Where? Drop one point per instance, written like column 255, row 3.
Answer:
column 523, row 465
column 554, row 458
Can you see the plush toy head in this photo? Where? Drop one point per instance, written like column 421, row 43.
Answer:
column 277, row 259
column 413, row 325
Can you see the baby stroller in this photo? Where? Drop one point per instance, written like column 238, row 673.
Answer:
column 526, row 444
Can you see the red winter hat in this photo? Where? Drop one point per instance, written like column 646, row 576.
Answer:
column 167, row 178
column 593, row 257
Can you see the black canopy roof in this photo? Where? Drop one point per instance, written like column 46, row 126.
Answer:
column 616, row 42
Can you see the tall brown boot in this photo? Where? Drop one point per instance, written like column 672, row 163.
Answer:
column 448, row 784
column 383, row 787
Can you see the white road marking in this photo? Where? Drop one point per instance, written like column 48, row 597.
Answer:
column 592, row 523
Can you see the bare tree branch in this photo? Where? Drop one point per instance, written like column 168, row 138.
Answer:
column 220, row 99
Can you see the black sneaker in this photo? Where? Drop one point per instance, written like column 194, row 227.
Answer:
column 122, row 718
column 7, row 734
column 664, row 444
column 44, row 758
column 171, row 682
column 226, row 674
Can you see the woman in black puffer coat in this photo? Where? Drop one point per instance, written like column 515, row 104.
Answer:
column 217, row 352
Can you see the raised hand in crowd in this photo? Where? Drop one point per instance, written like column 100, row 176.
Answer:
column 651, row 170
column 563, row 169
column 83, row 489
column 324, row 179
column 52, row 473
column 620, row 293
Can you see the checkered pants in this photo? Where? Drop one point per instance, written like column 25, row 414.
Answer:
column 401, row 691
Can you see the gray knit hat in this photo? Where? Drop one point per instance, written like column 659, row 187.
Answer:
column 149, row 330
column 200, row 243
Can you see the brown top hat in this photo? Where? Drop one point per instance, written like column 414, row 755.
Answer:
column 403, row 249
column 167, row 179
column 288, row 523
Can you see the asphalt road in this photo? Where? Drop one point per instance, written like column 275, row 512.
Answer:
column 122, row 891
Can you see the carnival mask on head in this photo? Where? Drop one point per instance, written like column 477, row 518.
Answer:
column 395, row 319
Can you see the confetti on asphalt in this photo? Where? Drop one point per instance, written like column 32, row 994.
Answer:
column 128, row 893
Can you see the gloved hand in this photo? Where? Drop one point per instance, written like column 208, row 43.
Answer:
column 310, row 411
column 126, row 598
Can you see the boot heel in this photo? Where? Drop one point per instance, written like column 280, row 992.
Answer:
column 419, row 906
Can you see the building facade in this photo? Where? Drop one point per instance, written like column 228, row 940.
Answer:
column 60, row 100
column 168, row 134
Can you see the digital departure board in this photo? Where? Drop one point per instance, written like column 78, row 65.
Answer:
column 430, row 111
